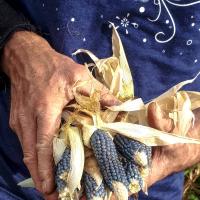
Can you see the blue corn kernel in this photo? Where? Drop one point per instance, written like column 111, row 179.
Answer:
column 134, row 178
column 62, row 170
column 92, row 190
column 132, row 150
column 107, row 159
column 149, row 154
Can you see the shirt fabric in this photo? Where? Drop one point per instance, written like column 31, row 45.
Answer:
column 162, row 45
column 10, row 21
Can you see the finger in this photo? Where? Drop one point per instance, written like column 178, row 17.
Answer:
column 53, row 196
column 83, row 197
column 28, row 132
column 48, row 122
column 106, row 97
column 13, row 118
column 158, row 119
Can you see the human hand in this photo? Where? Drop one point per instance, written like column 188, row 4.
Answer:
column 172, row 158
column 42, row 83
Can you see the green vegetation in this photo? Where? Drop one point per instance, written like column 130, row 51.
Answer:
column 192, row 183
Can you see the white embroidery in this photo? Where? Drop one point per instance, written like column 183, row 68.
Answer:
column 142, row 9
column 161, row 4
column 72, row 19
column 125, row 22
column 189, row 42
column 144, row 40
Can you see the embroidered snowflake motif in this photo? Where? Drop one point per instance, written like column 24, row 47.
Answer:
column 125, row 23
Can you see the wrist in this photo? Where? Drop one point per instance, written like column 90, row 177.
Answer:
column 160, row 166
column 16, row 50
column 24, row 38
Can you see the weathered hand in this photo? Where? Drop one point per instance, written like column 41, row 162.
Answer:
column 172, row 158
column 42, row 82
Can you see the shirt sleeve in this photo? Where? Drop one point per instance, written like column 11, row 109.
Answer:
column 11, row 20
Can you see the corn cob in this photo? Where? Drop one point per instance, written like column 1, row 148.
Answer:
column 134, row 178
column 91, row 188
column 110, row 166
column 133, row 150
column 62, row 170
column 70, row 169
column 93, row 180
column 149, row 154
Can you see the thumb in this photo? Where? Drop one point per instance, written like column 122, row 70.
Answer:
column 158, row 119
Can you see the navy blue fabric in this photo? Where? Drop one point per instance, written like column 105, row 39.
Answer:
column 161, row 41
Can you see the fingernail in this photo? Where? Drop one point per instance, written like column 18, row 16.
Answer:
column 47, row 186
column 39, row 187
column 44, row 187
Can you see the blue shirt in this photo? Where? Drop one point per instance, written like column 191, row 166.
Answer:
column 161, row 41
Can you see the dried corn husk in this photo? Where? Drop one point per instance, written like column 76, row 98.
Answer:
column 114, row 72
column 27, row 183
column 147, row 135
column 59, row 146
column 91, row 167
column 77, row 158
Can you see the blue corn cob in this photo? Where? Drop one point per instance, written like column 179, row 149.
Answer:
column 149, row 154
column 134, row 178
column 62, row 170
column 108, row 161
column 92, row 190
column 133, row 150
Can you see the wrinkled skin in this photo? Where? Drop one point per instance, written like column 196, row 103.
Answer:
column 172, row 158
column 42, row 83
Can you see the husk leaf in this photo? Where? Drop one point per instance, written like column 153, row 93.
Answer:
column 128, row 106
column 77, row 158
column 147, row 135
column 27, row 183
column 59, row 146
column 92, row 168
column 118, row 51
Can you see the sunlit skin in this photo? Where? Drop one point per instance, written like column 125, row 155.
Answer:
column 42, row 82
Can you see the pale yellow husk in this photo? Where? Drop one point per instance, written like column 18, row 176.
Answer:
column 77, row 159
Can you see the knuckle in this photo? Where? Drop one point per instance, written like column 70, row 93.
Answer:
column 13, row 124
column 45, row 172
column 29, row 158
column 81, row 73
column 43, row 143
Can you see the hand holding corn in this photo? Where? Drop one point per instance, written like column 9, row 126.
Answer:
column 121, row 161
column 41, row 85
column 172, row 158
column 121, row 165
